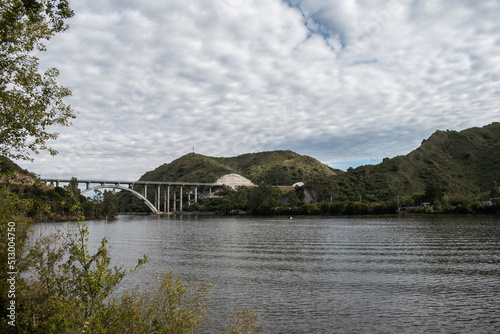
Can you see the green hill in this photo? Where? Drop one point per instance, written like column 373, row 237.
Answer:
column 191, row 167
column 466, row 162
column 7, row 166
column 275, row 167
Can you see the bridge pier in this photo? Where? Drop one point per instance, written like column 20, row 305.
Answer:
column 175, row 200
column 180, row 206
column 178, row 189
column 158, row 198
column 168, row 199
column 165, row 200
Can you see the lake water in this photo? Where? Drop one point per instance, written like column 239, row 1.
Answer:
column 409, row 274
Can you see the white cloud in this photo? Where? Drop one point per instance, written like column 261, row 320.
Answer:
column 342, row 80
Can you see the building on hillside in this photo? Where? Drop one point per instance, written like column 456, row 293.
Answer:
column 234, row 181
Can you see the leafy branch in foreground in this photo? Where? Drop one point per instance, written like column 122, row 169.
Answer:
column 243, row 321
column 168, row 306
column 70, row 291
column 30, row 102
column 70, row 286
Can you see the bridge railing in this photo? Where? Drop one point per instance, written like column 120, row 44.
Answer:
column 171, row 190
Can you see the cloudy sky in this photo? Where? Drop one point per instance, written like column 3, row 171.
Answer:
column 341, row 81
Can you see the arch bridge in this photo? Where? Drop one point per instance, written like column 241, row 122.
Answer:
column 167, row 195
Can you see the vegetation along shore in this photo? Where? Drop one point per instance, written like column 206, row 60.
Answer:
column 56, row 284
column 451, row 172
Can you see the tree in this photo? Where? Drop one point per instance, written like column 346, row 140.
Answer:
column 70, row 285
column 30, row 102
column 97, row 201
column 433, row 192
column 73, row 188
column 263, row 199
column 14, row 231
column 110, row 203
column 71, row 290
column 495, row 192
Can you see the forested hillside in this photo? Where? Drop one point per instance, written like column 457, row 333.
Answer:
column 449, row 169
column 454, row 163
column 7, row 166
column 275, row 167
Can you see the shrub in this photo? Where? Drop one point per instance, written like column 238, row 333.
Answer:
column 70, row 291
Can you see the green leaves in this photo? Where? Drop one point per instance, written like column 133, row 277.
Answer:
column 30, row 102
column 70, row 280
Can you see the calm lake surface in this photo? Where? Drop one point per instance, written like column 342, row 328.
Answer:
column 410, row 274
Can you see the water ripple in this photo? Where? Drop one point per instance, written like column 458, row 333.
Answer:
column 416, row 274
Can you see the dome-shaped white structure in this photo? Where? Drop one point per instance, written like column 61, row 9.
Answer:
column 234, row 181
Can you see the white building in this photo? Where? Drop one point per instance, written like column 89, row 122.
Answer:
column 234, row 181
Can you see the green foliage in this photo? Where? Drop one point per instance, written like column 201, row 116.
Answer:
column 72, row 288
column 73, row 187
column 191, row 167
column 313, row 209
column 8, row 167
column 243, row 321
column 446, row 165
column 234, row 200
column 275, row 167
column 105, row 204
column 451, row 162
column 433, row 192
column 263, row 199
column 30, row 102
column 56, row 203
column 12, row 210
column 169, row 306
column 63, row 288
column 267, row 200
column 212, row 204
column 172, row 306
column 72, row 293
column 71, row 285
column 495, row 191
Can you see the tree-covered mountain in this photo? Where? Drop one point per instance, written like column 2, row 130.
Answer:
column 449, row 169
column 454, row 163
column 8, row 166
column 274, row 167
column 448, row 162
column 10, row 169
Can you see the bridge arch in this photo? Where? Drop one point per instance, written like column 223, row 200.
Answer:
column 135, row 193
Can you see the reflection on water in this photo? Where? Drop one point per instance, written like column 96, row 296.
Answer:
column 328, row 275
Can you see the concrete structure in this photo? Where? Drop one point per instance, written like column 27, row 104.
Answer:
column 234, row 181
column 166, row 195
column 135, row 193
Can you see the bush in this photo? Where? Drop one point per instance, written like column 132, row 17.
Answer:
column 169, row 306
column 312, row 209
column 70, row 292
column 70, row 286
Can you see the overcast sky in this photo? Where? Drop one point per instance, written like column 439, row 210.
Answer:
column 341, row 81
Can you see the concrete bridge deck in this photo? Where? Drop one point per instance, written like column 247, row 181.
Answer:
column 174, row 193
column 161, row 183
